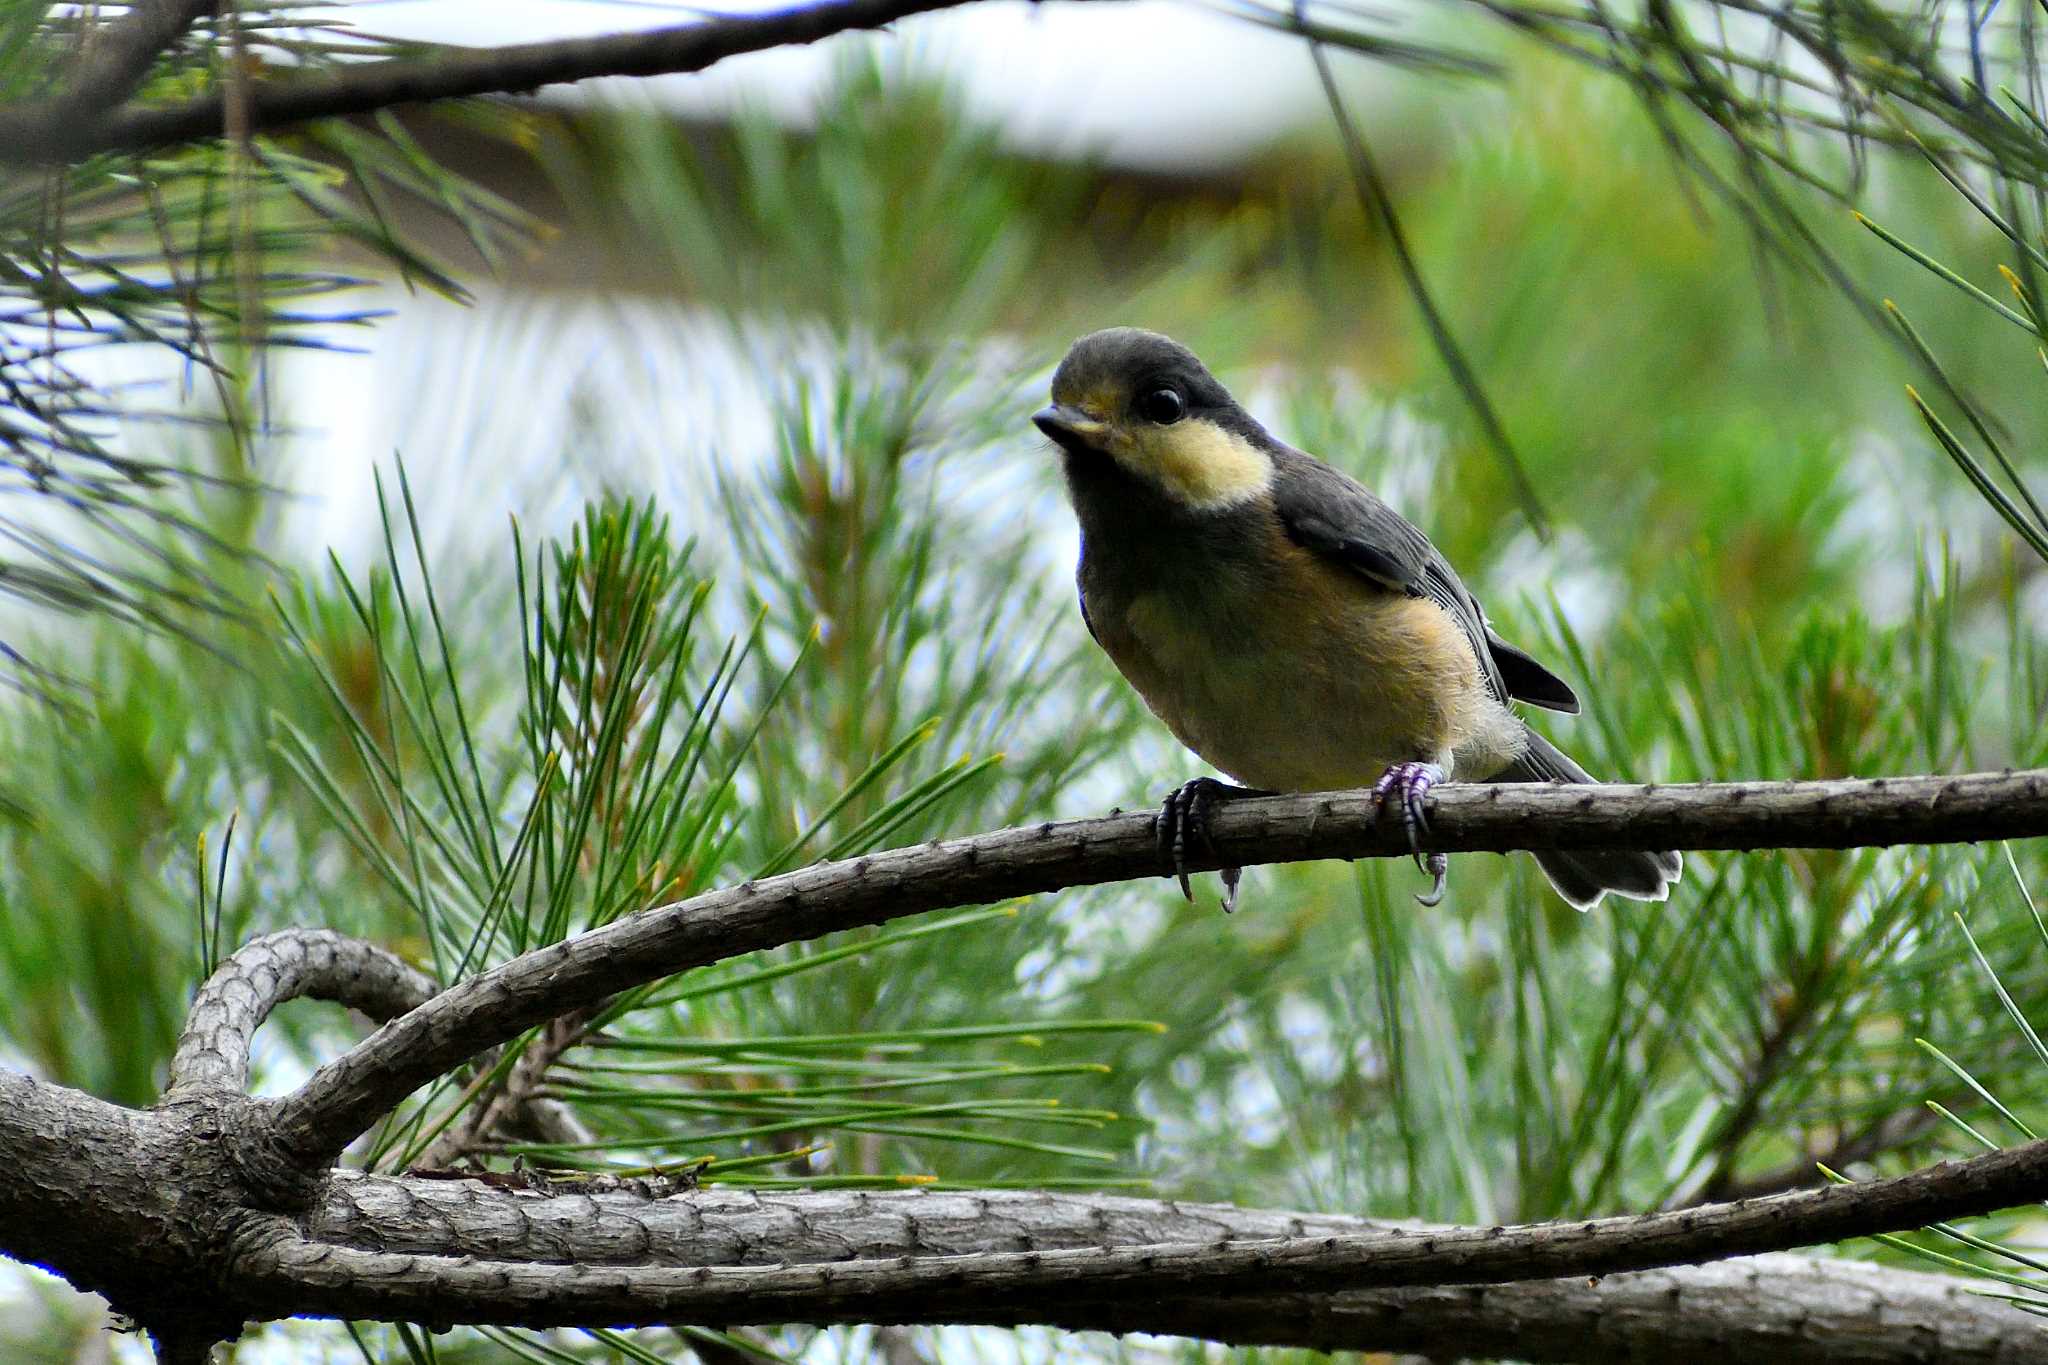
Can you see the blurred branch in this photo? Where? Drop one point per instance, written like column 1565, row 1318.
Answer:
column 117, row 56
column 1773, row 1053
column 37, row 134
column 1875, row 1139
column 515, row 1102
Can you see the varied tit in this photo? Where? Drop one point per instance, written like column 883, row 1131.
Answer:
column 1286, row 624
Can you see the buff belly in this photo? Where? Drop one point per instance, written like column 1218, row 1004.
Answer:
column 1310, row 684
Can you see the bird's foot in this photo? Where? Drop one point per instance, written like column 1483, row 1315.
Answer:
column 1184, row 822
column 1409, row 783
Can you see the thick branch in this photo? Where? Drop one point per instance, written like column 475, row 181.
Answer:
column 346, row 1096
column 34, row 135
column 134, row 1205
column 631, row 1260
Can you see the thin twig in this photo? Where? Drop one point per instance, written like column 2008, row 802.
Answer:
column 1887, row 1134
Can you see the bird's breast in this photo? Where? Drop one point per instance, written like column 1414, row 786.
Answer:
column 1288, row 672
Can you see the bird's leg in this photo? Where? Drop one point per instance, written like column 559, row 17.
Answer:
column 1410, row 782
column 1184, row 821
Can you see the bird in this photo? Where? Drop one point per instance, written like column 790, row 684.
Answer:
column 1288, row 626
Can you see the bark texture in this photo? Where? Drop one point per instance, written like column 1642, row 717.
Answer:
column 1763, row 1308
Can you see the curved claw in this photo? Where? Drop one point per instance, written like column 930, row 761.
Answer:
column 1410, row 782
column 1172, row 832
column 1438, row 866
column 1184, row 819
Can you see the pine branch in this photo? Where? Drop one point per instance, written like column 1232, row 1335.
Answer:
column 516, row 1102
column 348, row 1095
column 1760, row 1310
column 1773, row 1052
column 213, row 1049
column 1893, row 1131
column 41, row 134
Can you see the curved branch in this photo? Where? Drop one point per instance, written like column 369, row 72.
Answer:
column 462, row 1251
column 345, row 1097
column 36, row 134
column 118, row 56
column 213, row 1050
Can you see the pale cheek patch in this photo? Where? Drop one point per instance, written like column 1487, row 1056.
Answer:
column 1201, row 464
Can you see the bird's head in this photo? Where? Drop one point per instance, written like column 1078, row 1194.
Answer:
column 1145, row 405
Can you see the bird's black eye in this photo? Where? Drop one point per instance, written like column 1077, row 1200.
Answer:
column 1163, row 406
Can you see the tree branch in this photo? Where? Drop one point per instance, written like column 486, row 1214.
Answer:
column 635, row 1260
column 36, row 134
column 132, row 1204
column 1773, row 1052
column 213, row 1049
column 517, row 1101
column 1760, row 1310
column 345, row 1097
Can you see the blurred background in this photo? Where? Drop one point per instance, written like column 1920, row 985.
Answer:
column 605, row 496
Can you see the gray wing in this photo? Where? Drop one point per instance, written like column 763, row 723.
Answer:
column 1333, row 514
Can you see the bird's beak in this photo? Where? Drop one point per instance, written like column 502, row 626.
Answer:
column 1070, row 426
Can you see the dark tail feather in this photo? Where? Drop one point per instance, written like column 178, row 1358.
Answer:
column 1583, row 875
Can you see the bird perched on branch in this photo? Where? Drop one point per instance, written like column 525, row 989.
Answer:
column 1286, row 624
